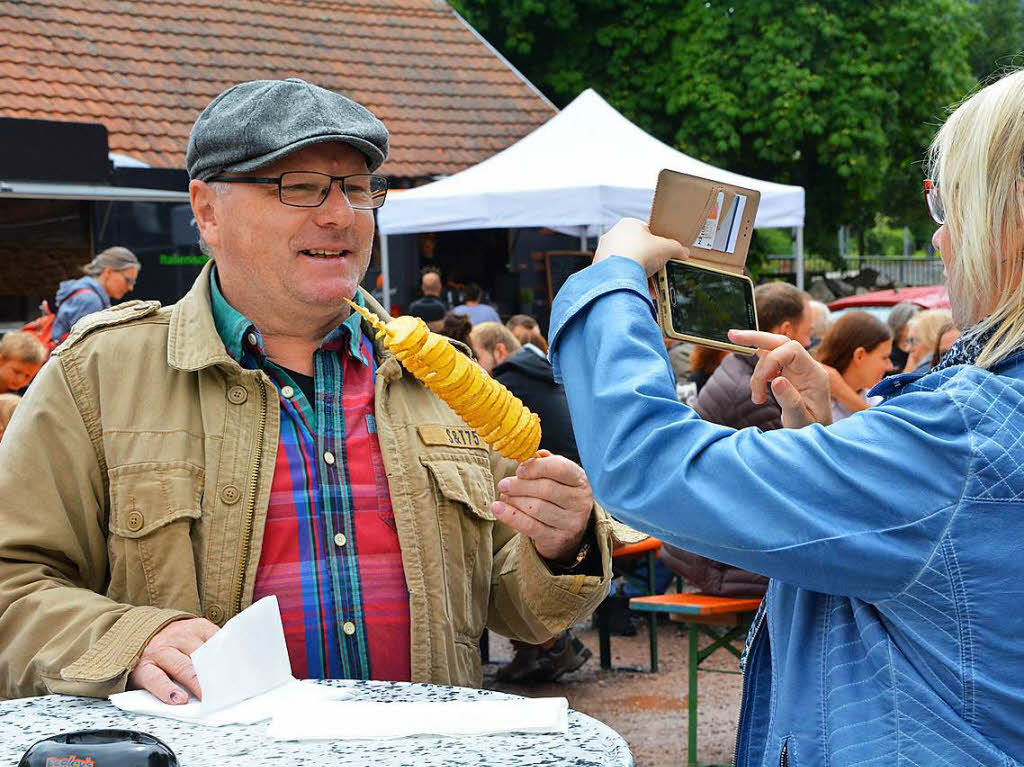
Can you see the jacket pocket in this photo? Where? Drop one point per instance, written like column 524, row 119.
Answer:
column 463, row 492
column 152, row 559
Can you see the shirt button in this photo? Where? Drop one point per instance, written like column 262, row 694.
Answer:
column 287, row 392
column 340, row 540
column 328, row 457
column 237, row 395
column 349, row 628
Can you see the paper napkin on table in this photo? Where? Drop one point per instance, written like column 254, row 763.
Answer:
column 244, row 674
column 355, row 720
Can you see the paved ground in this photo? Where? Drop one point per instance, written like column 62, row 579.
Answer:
column 649, row 711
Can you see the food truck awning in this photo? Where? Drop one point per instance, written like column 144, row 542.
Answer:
column 58, row 191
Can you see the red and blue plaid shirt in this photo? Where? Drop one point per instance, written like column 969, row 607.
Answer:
column 330, row 546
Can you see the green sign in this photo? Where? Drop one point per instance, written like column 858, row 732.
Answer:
column 174, row 259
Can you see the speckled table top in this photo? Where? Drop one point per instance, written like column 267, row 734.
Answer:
column 589, row 743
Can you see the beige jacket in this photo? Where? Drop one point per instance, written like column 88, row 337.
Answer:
column 134, row 482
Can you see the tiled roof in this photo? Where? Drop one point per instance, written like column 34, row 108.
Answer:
column 146, row 70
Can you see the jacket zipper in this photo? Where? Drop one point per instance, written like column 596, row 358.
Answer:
column 743, row 696
column 250, row 509
column 784, row 754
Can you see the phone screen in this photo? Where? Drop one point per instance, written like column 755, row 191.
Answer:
column 708, row 304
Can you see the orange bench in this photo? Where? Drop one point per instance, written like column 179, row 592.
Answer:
column 649, row 547
column 724, row 619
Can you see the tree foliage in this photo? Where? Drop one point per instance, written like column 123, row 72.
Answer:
column 841, row 97
column 999, row 41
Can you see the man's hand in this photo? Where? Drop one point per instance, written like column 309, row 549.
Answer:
column 798, row 381
column 550, row 501
column 632, row 239
column 166, row 661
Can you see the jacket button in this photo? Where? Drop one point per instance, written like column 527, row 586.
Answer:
column 135, row 521
column 215, row 613
column 230, row 494
column 237, row 395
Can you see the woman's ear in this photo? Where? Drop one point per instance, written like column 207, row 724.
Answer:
column 859, row 353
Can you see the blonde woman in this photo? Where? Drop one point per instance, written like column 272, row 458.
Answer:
column 924, row 331
column 891, row 630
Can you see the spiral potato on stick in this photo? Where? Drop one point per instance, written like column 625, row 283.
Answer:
column 498, row 416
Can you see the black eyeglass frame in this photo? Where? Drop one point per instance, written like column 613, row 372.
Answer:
column 327, row 193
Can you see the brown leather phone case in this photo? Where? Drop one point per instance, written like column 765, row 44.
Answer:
column 682, row 204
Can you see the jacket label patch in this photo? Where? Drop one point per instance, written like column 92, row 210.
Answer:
column 450, row 436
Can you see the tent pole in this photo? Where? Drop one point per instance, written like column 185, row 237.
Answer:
column 583, row 238
column 385, row 271
column 798, row 251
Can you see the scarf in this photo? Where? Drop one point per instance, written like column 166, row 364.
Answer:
column 965, row 350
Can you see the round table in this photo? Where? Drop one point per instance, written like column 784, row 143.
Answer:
column 588, row 742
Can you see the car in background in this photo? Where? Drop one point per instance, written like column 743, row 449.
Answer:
column 879, row 302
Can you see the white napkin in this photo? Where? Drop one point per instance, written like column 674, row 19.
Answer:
column 244, row 674
column 354, row 720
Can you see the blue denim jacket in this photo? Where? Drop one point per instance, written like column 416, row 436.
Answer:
column 894, row 625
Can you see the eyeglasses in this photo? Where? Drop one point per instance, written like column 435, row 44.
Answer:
column 308, row 189
column 129, row 280
column 931, row 197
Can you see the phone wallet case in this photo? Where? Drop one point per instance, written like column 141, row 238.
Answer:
column 682, row 204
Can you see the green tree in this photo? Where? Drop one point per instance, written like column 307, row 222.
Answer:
column 999, row 37
column 841, row 97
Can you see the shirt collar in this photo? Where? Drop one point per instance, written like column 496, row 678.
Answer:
column 235, row 329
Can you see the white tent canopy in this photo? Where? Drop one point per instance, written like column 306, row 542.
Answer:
column 581, row 171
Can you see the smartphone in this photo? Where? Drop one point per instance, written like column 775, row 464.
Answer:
column 701, row 304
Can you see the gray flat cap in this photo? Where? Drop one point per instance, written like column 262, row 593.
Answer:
column 255, row 123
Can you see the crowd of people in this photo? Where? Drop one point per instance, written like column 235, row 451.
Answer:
column 889, row 623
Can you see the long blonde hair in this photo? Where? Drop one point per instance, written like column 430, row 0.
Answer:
column 978, row 160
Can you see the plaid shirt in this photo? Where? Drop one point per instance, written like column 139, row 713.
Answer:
column 330, row 546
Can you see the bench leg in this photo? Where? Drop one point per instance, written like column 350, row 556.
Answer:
column 652, row 618
column 691, row 698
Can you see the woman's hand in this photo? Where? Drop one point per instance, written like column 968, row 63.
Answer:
column 798, row 381
column 630, row 238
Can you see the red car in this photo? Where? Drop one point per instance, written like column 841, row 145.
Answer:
column 880, row 301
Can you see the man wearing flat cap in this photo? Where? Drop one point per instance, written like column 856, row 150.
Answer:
column 172, row 465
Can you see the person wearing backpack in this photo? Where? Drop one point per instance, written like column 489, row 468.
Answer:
column 109, row 276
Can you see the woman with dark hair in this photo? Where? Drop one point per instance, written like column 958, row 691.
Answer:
column 457, row 327
column 857, row 348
